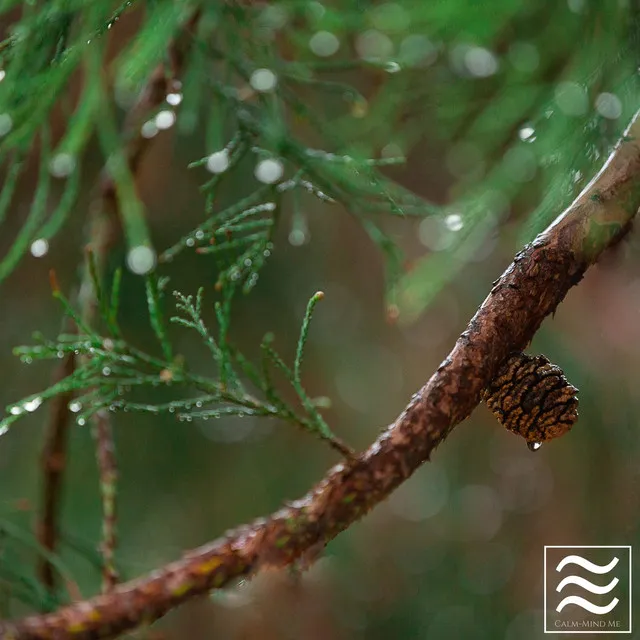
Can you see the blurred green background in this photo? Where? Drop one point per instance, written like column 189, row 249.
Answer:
column 457, row 551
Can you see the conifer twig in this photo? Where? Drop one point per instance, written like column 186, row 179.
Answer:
column 528, row 291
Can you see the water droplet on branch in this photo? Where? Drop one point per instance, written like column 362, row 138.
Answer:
column 141, row 259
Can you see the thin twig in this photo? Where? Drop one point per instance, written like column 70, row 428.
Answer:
column 108, row 468
column 105, row 230
column 103, row 233
column 162, row 81
column 53, row 464
column 529, row 290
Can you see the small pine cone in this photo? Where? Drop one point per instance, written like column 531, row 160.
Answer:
column 531, row 396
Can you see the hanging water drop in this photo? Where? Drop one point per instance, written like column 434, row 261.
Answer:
column 32, row 405
column 534, row 446
column 263, row 80
column 39, row 247
column 165, row 119
column 527, row 133
column 62, row 165
column 218, row 161
column 298, row 237
column 5, row 124
column 148, row 129
column 75, row 406
column 269, row 171
column 141, row 259
column 174, row 99
column 454, row 222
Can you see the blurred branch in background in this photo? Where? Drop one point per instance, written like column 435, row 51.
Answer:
column 104, row 224
column 529, row 290
column 53, row 464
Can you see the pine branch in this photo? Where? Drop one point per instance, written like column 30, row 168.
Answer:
column 529, row 290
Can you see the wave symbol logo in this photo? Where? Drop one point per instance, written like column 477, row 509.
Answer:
column 591, row 567
column 587, row 589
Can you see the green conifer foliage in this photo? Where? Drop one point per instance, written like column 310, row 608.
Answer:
column 293, row 99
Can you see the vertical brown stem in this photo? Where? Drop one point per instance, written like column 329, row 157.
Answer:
column 53, row 464
column 104, row 229
column 107, row 465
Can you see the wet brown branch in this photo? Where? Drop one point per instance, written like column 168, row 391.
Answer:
column 529, row 290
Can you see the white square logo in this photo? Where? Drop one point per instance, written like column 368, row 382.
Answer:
column 587, row 589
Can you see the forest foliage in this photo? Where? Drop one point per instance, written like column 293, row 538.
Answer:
column 295, row 100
